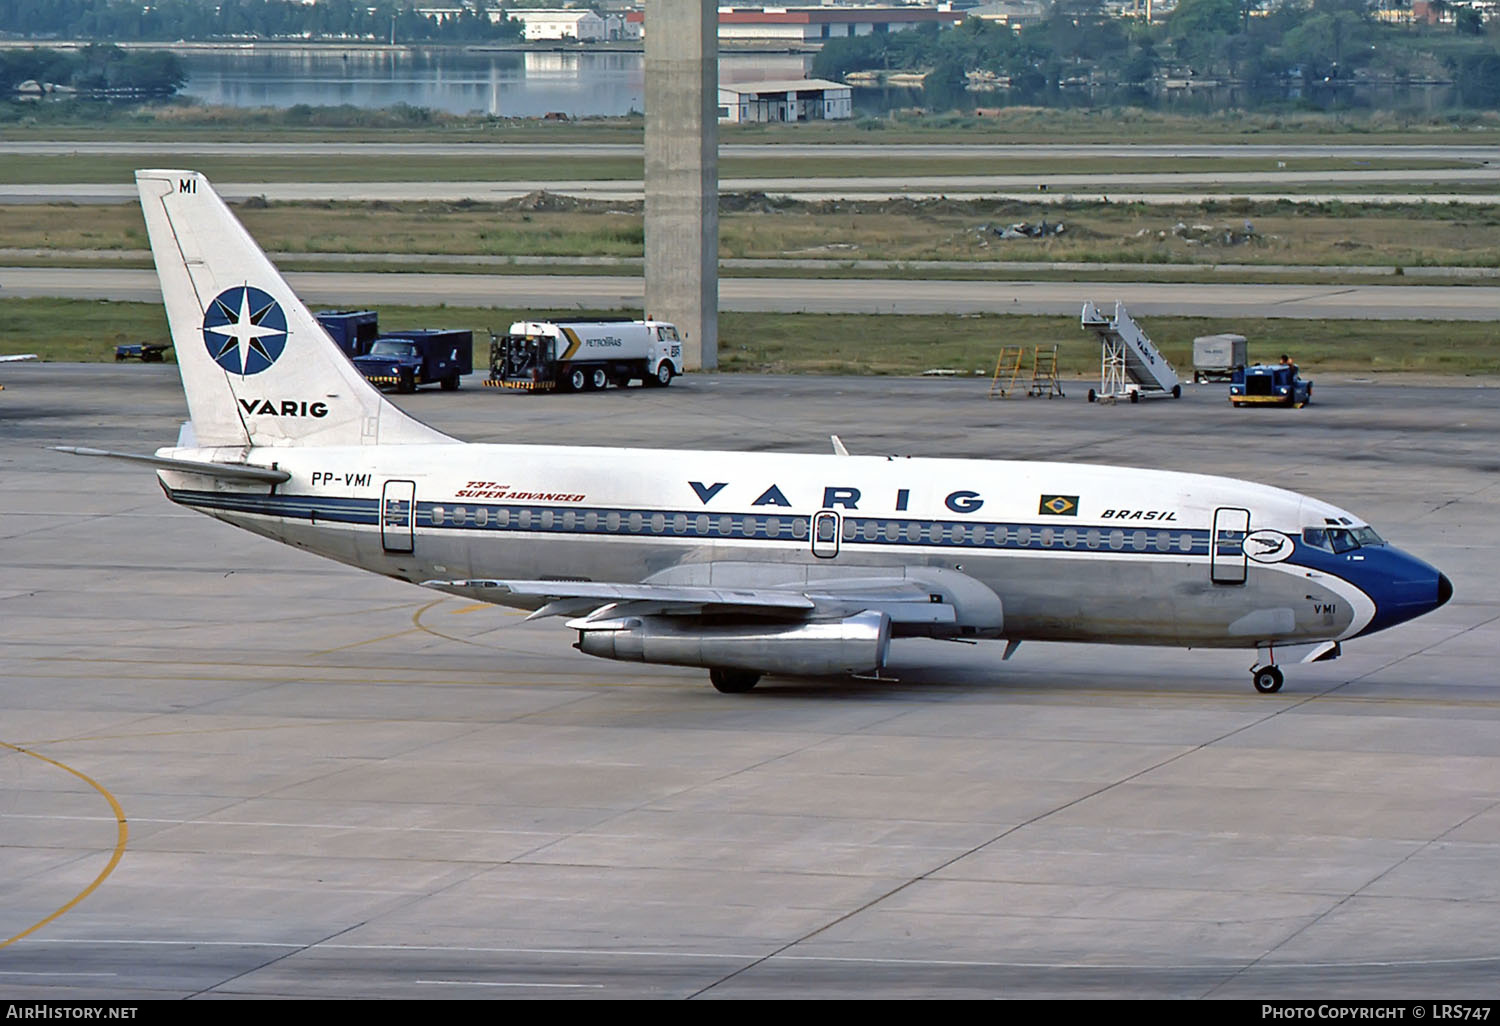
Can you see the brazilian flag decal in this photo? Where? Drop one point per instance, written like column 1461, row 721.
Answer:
column 1059, row 505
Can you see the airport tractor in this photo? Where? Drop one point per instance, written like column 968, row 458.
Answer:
column 577, row 356
column 406, row 359
column 1276, row 384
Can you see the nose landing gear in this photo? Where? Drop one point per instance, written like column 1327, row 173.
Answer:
column 1265, row 675
column 1267, row 679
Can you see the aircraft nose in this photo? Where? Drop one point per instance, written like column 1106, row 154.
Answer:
column 1402, row 586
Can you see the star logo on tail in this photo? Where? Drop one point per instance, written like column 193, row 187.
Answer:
column 244, row 329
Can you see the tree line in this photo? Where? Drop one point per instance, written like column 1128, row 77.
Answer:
column 170, row 20
column 1270, row 51
column 98, row 69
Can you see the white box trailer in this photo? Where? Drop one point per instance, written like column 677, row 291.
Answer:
column 577, row 356
column 1217, row 357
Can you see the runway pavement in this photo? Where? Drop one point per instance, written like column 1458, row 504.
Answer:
column 1476, row 167
column 269, row 775
column 1168, row 189
column 1477, row 153
column 998, row 268
column 815, row 295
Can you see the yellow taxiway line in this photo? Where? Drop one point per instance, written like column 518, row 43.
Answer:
column 122, row 835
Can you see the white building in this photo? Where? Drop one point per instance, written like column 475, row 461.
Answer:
column 578, row 24
column 808, row 99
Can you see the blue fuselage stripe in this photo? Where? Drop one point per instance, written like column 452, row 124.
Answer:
column 857, row 529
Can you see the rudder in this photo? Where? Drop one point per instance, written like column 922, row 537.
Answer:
column 257, row 367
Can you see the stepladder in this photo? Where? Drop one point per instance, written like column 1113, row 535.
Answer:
column 1007, row 372
column 1010, row 372
column 1044, row 381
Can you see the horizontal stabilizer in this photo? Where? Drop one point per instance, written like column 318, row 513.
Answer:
column 227, row 471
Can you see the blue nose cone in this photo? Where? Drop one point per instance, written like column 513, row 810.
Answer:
column 1402, row 586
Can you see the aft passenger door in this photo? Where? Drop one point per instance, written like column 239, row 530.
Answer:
column 397, row 515
column 1227, row 547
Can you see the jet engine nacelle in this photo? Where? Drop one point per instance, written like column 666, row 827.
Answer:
column 855, row 644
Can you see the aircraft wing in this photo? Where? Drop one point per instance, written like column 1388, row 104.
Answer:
column 13, row 359
column 559, row 598
column 919, row 595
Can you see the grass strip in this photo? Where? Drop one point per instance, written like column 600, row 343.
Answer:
column 88, row 330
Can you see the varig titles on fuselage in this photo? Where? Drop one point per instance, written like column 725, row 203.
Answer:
column 958, row 500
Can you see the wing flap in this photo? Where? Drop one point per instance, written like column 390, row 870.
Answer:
column 567, row 597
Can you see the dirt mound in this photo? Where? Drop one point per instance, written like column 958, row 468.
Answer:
column 544, row 202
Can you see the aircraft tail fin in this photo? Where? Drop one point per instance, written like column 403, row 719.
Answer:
column 257, row 367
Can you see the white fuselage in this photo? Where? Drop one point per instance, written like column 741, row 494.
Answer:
column 1074, row 552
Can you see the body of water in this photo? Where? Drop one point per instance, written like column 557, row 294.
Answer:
column 527, row 83
column 532, row 83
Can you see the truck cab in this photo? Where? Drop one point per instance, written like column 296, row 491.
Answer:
column 1275, row 384
column 418, row 357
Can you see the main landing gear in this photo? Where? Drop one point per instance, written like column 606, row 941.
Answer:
column 733, row 682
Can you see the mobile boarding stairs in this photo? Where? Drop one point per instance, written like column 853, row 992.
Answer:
column 1130, row 365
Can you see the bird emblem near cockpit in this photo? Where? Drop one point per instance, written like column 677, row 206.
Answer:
column 1267, row 546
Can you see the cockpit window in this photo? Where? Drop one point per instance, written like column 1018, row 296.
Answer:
column 1340, row 539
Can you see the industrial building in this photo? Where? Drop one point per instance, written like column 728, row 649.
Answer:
column 1017, row 14
column 809, row 99
column 799, row 25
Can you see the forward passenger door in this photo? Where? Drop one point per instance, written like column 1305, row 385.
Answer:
column 1227, row 561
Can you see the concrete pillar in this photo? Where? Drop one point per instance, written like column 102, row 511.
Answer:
column 682, row 173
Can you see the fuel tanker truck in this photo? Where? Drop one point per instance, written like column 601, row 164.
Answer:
column 579, row 356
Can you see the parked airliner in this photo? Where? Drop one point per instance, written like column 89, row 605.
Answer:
column 740, row 563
